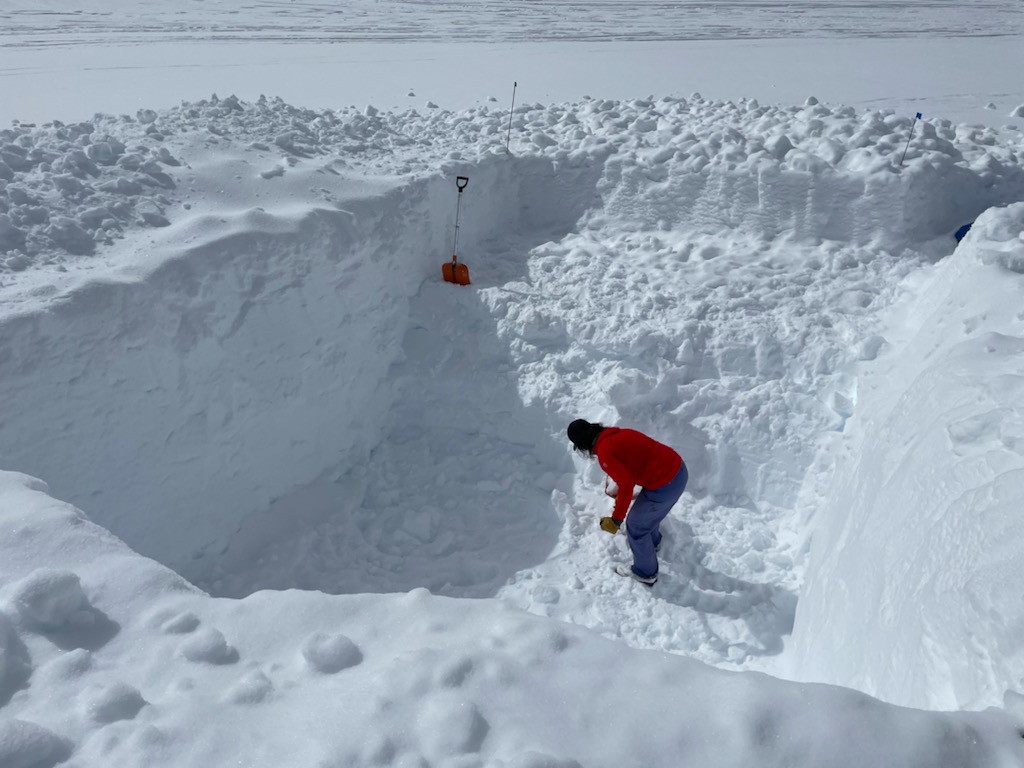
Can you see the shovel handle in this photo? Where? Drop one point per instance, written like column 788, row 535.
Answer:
column 461, row 182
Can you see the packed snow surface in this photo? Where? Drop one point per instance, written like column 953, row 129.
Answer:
column 301, row 502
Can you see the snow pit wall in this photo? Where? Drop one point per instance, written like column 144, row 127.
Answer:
column 170, row 406
column 916, row 553
column 805, row 206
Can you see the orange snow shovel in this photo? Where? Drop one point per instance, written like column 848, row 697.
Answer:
column 454, row 272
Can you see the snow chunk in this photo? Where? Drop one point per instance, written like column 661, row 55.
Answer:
column 645, row 124
column 27, row 745
column 779, row 147
column 49, row 599
column 105, row 152
column 15, row 664
column 14, row 157
column 288, row 141
column 998, row 234
column 542, row 140
column 251, row 689
column 805, row 161
column 870, row 347
column 113, row 702
column 120, row 186
column 330, row 653
column 70, row 236
column 208, row 646
column 450, row 725
column 164, row 156
column 11, row 237
column 151, row 214
column 94, row 217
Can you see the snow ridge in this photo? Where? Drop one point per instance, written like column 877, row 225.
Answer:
column 66, row 188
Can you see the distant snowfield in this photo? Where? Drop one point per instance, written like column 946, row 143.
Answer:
column 953, row 60
column 50, row 23
column 225, row 340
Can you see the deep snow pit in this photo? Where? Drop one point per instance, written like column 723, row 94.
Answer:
column 294, row 403
column 279, row 391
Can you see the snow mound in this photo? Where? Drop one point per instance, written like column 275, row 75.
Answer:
column 441, row 681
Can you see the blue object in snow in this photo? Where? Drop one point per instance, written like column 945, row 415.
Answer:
column 959, row 235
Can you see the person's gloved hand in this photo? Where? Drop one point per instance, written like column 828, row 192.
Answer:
column 609, row 525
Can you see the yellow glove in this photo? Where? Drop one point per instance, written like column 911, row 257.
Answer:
column 609, row 525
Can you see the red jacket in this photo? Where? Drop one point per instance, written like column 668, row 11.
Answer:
column 632, row 458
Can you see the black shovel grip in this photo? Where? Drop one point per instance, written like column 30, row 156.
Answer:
column 461, row 182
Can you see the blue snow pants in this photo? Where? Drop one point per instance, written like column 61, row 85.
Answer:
column 643, row 522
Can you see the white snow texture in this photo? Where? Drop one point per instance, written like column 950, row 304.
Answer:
column 303, row 503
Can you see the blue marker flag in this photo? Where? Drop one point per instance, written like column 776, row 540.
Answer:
column 917, row 117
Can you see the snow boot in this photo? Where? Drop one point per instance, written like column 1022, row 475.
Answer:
column 625, row 570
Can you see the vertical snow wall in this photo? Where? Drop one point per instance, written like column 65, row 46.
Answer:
column 913, row 588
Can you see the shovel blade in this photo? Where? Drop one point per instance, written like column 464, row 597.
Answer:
column 455, row 273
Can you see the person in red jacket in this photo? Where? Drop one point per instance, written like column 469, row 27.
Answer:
column 632, row 459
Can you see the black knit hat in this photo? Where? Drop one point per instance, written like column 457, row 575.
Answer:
column 583, row 434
